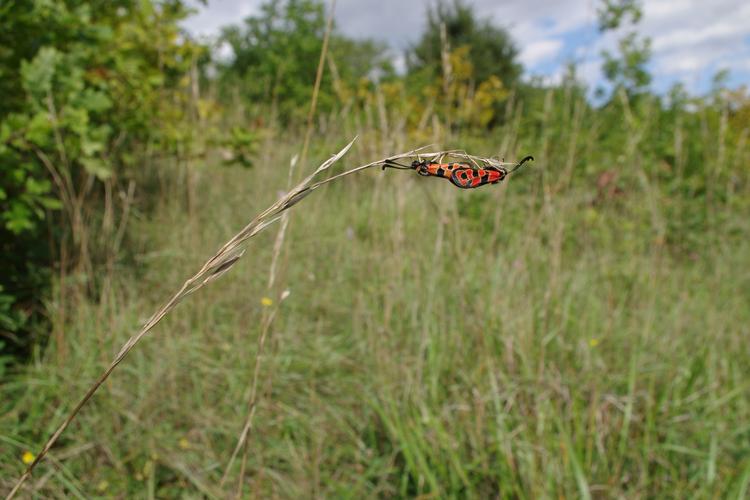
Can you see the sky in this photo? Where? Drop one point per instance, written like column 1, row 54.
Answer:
column 691, row 39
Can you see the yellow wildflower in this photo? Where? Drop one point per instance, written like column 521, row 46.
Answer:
column 27, row 457
column 267, row 302
column 594, row 342
column 184, row 443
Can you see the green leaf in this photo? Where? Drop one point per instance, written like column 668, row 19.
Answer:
column 39, row 129
column 77, row 119
column 97, row 167
column 18, row 218
column 38, row 73
column 37, row 188
column 50, row 203
column 90, row 148
column 96, row 101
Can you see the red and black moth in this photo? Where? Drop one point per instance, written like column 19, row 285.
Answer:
column 462, row 175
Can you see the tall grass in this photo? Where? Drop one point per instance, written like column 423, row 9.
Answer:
column 540, row 338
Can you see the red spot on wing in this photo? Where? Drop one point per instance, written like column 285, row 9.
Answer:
column 463, row 177
column 476, row 179
column 495, row 176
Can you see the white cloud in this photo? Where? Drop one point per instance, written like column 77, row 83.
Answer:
column 684, row 64
column 398, row 22
column 692, row 39
column 551, row 16
column 539, row 51
column 718, row 34
column 209, row 20
column 591, row 71
column 224, row 52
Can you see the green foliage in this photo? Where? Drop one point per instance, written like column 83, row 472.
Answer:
column 612, row 13
column 90, row 90
column 492, row 52
column 243, row 146
column 11, row 319
column 627, row 68
column 358, row 59
column 276, row 55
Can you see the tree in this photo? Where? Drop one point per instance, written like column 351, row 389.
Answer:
column 627, row 68
column 491, row 52
column 276, row 53
column 276, row 56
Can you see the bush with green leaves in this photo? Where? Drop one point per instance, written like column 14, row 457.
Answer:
column 92, row 93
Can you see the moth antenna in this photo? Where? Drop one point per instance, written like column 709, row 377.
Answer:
column 520, row 163
column 393, row 164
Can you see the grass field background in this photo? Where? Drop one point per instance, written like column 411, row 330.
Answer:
column 542, row 338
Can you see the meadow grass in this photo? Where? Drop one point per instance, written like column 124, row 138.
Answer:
column 528, row 340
